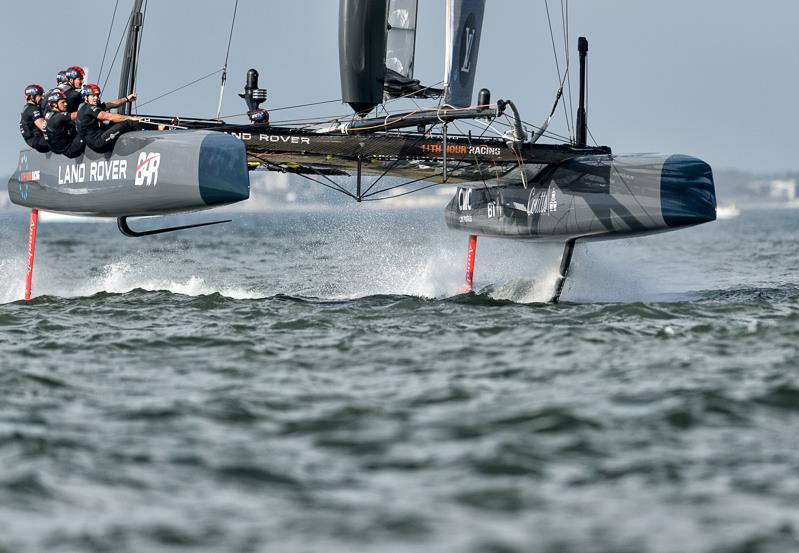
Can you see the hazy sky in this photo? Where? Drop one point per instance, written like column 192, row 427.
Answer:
column 713, row 78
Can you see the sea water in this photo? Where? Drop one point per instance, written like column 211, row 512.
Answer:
column 321, row 382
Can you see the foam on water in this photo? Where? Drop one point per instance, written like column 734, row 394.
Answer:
column 518, row 272
column 358, row 255
column 121, row 277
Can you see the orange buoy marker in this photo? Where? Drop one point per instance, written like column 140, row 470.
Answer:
column 470, row 261
column 31, row 247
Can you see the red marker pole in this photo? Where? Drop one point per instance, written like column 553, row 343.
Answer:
column 470, row 261
column 31, row 247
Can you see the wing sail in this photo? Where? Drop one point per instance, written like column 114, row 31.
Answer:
column 464, row 24
column 361, row 51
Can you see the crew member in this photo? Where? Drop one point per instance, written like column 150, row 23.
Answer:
column 74, row 83
column 32, row 121
column 259, row 116
column 93, row 114
column 59, row 130
column 61, row 84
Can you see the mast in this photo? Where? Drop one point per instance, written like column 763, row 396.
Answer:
column 127, row 75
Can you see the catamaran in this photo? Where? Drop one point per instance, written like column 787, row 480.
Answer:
column 511, row 185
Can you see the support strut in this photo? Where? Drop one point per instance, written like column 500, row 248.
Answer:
column 34, row 222
column 124, row 228
column 470, row 261
column 565, row 262
column 445, row 154
column 358, row 182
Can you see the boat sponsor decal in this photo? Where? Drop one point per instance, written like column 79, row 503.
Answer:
column 98, row 171
column 275, row 138
column 483, row 150
column 463, row 149
column 147, row 169
column 465, row 204
column 439, row 148
column 495, row 210
column 29, row 176
column 542, row 201
column 286, row 139
column 25, row 175
column 464, row 199
column 468, row 34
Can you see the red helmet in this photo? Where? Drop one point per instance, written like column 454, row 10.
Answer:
column 75, row 72
column 33, row 90
column 90, row 90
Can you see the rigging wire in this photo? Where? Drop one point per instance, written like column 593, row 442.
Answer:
column 591, row 135
column 586, row 96
column 335, row 186
column 561, row 79
column 119, row 45
column 407, row 183
column 107, row 40
column 564, row 14
column 477, row 162
column 179, row 88
column 431, row 185
column 286, row 107
column 410, row 95
column 548, row 134
column 303, row 105
column 390, row 167
column 227, row 56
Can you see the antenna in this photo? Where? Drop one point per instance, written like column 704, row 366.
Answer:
column 582, row 48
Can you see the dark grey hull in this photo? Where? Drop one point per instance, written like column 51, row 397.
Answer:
column 147, row 173
column 597, row 197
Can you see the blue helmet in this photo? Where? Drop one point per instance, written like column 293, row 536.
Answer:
column 33, row 90
column 61, row 76
column 55, row 95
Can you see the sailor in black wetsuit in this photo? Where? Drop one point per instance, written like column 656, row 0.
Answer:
column 31, row 122
column 93, row 119
column 61, row 84
column 59, row 130
column 72, row 88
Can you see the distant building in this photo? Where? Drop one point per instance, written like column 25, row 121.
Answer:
column 774, row 191
column 783, row 189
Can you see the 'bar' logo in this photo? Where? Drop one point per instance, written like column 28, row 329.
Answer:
column 147, row 169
